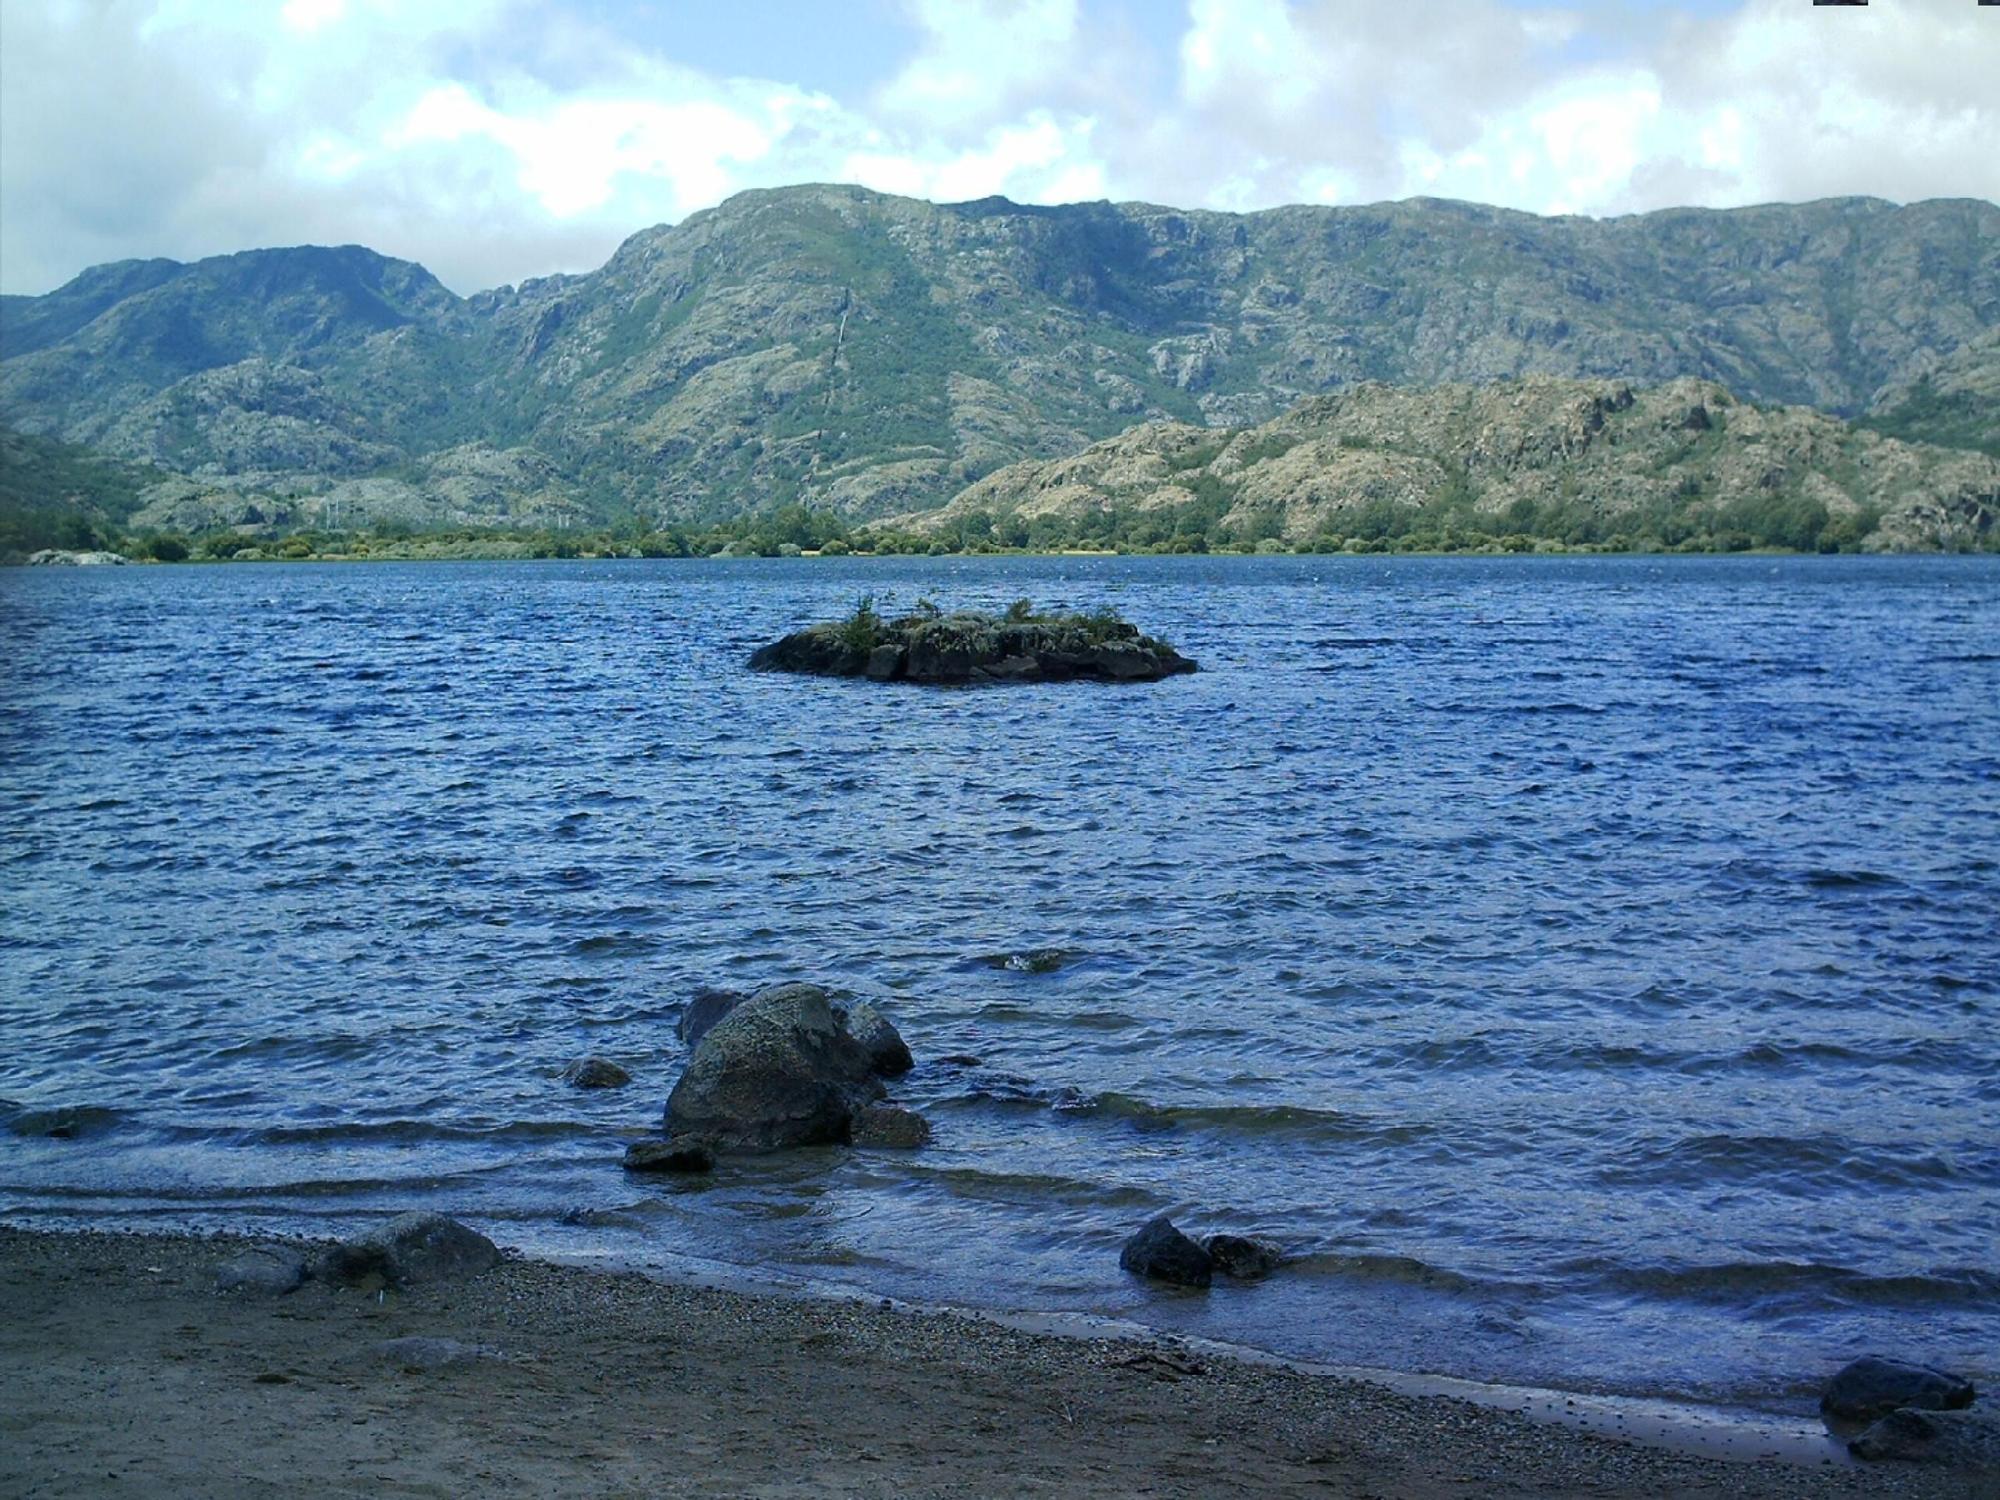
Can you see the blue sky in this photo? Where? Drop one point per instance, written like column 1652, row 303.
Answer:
column 499, row 139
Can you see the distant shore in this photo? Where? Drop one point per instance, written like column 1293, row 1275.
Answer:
column 507, row 551
column 121, row 1371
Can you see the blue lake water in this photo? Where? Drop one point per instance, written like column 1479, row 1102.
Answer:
column 1587, row 967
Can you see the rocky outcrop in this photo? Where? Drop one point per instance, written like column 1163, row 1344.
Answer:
column 413, row 1249
column 1873, row 1386
column 964, row 648
column 781, row 1069
column 595, row 1073
column 1161, row 1252
column 57, row 557
column 1533, row 458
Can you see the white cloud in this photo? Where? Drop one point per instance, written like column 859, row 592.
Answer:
column 496, row 139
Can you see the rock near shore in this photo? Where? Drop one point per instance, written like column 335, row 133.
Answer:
column 782, row 1068
column 1161, row 1252
column 1874, row 1386
column 414, row 1249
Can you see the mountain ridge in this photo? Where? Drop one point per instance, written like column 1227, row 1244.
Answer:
column 875, row 355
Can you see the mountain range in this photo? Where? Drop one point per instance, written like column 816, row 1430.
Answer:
column 877, row 355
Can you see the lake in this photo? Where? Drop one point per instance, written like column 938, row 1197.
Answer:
column 1586, row 967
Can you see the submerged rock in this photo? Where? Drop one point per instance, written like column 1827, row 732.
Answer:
column 413, row 1249
column 779, row 1070
column 1163, row 1253
column 1243, row 1259
column 930, row 647
column 1950, row 1439
column 668, row 1156
column 1874, row 1386
column 263, row 1271
column 889, row 1125
column 595, row 1073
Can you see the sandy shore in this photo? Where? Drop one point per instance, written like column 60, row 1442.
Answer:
column 122, row 1372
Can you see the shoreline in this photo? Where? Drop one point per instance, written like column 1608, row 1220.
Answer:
column 120, row 1366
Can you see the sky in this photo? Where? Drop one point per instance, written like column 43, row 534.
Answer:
column 495, row 140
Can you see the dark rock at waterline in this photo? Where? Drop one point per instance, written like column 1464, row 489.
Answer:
column 704, row 1010
column 263, row 1271
column 779, row 1070
column 888, row 1053
column 414, row 1249
column 668, row 1156
column 595, row 1073
column 1874, row 1386
column 1950, row 1439
column 972, row 648
column 1163, row 1253
column 889, row 1125
column 1243, row 1259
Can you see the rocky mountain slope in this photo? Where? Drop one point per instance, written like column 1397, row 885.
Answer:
column 877, row 354
column 1576, row 461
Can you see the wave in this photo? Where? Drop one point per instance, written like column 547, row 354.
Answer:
column 1796, row 1164
column 61, row 1122
column 1262, row 1121
column 1735, row 1282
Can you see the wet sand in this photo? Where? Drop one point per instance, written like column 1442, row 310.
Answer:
column 122, row 1372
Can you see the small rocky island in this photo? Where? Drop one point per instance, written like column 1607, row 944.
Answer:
column 928, row 645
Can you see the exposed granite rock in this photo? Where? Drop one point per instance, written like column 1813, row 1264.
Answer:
column 779, row 1070
column 595, row 1073
column 413, row 1249
column 1874, row 1386
column 58, row 557
column 264, row 1271
column 1679, row 455
column 1163, row 1253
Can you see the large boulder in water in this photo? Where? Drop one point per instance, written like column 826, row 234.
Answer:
column 779, row 1070
column 1163, row 1253
column 1874, row 1386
